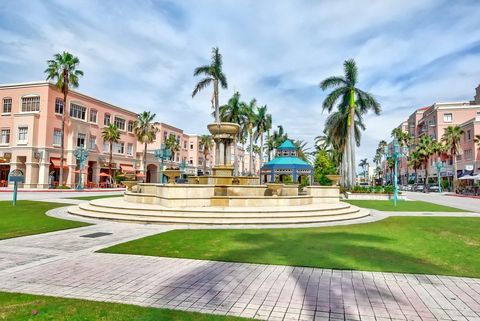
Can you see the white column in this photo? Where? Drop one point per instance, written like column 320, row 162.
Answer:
column 43, row 175
column 222, row 153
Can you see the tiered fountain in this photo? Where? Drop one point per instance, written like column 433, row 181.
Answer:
column 222, row 198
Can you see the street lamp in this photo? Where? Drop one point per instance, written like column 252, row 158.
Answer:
column 439, row 165
column 81, row 154
column 162, row 154
column 396, row 153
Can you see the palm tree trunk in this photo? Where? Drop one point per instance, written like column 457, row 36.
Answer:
column 351, row 141
column 454, row 181
column 426, row 177
column 260, row 161
column 250, row 163
column 204, row 161
column 416, row 176
column 145, row 162
column 110, row 161
column 215, row 94
column 62, row 139
column 269, row 151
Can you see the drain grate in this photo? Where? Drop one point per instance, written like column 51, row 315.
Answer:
column 95, row 235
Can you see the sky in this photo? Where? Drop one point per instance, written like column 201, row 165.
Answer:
column 140, row 55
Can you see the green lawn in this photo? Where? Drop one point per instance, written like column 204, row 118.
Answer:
column 20, row 307
column 434, row 245
column 404, row 206
column 89, row 198
column 28, row 218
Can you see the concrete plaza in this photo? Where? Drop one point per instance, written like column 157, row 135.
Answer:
column 64, row 264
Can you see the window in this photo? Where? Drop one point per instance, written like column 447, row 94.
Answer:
column 30, row 104
column 459, row 157
column 81, row 139
column 77, row 111
column 448, row 118
column 468, row 154
column 59, row 106
column 191, row 146
column 184, row 144
column 57, row 136
column 92, row 143
column 106, row 147
column 22, row 134
column 93, row 116
column 165, row 134
column 130, row 149
column 106, row 120
column 468, row 135
column 118, row 148
column 130, row 126
column 120, row 123
column 191, row 161
column 5, row 136
column 7, row 105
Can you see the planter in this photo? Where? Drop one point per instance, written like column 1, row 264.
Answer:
column 335, row 179
column 276, row 188
column 172, row 174
column 372, row 196
column 129, row 184
column 223, row 128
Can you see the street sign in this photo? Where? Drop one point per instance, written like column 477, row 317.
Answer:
column 16, row 176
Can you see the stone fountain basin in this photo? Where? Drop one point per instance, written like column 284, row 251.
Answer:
column 223, row 128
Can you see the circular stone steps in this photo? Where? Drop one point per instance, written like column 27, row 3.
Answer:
column 118, row 209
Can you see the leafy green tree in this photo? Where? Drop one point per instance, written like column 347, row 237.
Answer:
column 451, row 138
column 145, row 131
column 62, row 69
column 322, row 167
column 213, row 73
column 351, row 101
column 111, row 134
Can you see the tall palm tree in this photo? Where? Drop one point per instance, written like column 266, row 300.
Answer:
column 173, row 144
column 62, row 69
column 415, row 162
column 111, row 134
column 213, row 73
column 336, row 129
column 301, row 149
column 451, row 138
column 205, row 144
column 250, row 118
column 364, row 164
column 145, row 131
column 262, row 125
column 234, row 112
column 425, row 150
column 279, row 136
column 269, row 146
column 351, row 100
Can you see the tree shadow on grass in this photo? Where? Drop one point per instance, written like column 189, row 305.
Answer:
column 331, row 291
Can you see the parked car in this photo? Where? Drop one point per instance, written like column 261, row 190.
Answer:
column 419, row 188
column 433, row 188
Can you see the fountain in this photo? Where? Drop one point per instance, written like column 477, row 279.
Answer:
column 222, row 198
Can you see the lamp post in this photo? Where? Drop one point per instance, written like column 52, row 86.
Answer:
column 162, row 154
column 439, row 165
column 81, row 154
column 395, row 153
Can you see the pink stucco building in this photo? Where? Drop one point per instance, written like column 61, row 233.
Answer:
column 30, row 122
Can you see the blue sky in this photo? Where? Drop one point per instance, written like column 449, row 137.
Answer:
column 141, row 54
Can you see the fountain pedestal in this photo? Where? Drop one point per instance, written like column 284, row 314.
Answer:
column 224, row 135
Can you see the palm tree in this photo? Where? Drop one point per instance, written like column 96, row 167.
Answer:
column 250, row 118
column 425, row 150
column 415, row 162
column 145, row 131
column 336, row 129
column 301, row 149
column 62, row 69
column 173, row 144
column 279, row 136
column 364, row 164
column 262, row 125
column 351, row 100
column 213, row 73
column 451, row 138
column 269, row 146
column 205, row 144
column 111, row 134
column 234, row 112
column 477, row 140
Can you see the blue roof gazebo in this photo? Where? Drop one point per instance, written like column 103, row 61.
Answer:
column 286, row 162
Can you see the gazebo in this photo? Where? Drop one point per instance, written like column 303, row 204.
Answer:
column 286, row 163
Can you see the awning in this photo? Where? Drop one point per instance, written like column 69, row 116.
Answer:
column 127, row 168
column 56, row 162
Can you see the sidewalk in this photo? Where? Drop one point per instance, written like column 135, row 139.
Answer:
column 64, row 264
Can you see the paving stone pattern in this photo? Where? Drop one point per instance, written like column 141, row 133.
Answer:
column 64, row 264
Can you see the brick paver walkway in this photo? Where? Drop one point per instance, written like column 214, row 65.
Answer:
column 64, row 264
